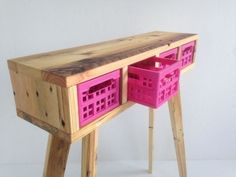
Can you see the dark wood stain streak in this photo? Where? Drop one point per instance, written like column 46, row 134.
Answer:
column 93, row 62
column 43, row 125
column 74, row 49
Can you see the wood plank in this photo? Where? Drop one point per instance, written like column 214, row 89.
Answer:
column 79, row 71
column 124, row 84
column 70, row 107
column 44, row 101
column 73, row 137
column 151, row 139
column 99, row 122
column 177, row 128
column 49, row 59
column 188, row 68
column 88, row 63
column 69, row 67
column 56, row 157
column 89, row 154
column 44, row 125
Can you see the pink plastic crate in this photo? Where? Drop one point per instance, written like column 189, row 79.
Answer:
column 187, row 52
column 153, row 81
column 170, row 54
column 98, row 96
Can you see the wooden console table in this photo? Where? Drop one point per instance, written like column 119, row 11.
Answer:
column 45, row 91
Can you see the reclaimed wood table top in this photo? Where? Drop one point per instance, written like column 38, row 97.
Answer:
column 71, row 66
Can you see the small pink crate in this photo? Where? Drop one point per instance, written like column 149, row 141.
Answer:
column 170, row 54
column 98, row 96
column 187, row 52
column 153, row 81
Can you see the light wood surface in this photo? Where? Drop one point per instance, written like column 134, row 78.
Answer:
column 71, row 66
column 48, row 103
column 81, row 132
column 56, row 157
column 177, row 128
column 89, row 154
column 151, row 139
column 124, row 84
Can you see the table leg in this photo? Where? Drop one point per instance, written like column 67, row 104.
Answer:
column 89, row 154
column 177, row 128
column 150, row 139
column 56, row 157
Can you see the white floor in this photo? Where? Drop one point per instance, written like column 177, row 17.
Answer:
column 131, row 169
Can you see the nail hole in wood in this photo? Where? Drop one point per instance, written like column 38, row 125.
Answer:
column 50, row 89
column 37, row 93
column 27, row 93
column 14, row 93
column 46, row 114
column 63, row 123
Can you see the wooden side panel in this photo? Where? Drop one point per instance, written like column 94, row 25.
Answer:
column 117, row 46
column 41, row 100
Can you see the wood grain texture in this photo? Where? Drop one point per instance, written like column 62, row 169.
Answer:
column 93, row 62
column 73, row 137
column 177, row 127
column 71, row 66
column 151, row 139
column 46, row 102
column 44, row 125
column 56, row 157
column 89, row 154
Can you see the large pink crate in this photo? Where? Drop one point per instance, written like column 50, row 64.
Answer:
column 98, row 96
column 153, row 81
column 170, row 54
column 187, row 53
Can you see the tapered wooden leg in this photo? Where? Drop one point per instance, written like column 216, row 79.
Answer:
column 150, row 139
column 89, row 154
column 56, row 157
column 177, row 128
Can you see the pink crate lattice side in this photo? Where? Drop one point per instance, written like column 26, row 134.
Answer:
column 153, row 81
column 187, row 52
column 98, row 96
column 170, row 54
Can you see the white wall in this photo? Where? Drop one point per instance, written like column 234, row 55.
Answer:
column 208, row 92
